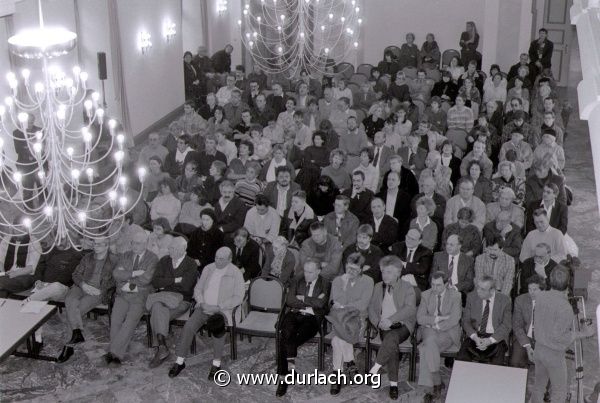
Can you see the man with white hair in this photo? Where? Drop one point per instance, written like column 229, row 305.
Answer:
column 133, row 277
column 174, row 280
column 218, row 291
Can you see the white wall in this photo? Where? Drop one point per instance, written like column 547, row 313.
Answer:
column 388, row 21
column 191, row 29
column 223, row 29
column 154, row 81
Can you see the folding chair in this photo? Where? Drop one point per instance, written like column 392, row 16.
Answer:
column 344, row 70
column 448, row 55
column 365, row 69
column 266, row 301
column 359, row 78
column 408, row 346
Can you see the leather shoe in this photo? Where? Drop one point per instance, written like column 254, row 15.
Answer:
column 213, row 370
column 162, row 353
column 114, row 362
column 108, row 357
column 281, row 389
column 394, row 392
column 77, row 337
column 37, row 347
column 352, row 369
column 176, row 369
column 65, row 354
column 335, row 389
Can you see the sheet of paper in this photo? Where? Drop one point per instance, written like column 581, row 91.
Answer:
column 33, row 306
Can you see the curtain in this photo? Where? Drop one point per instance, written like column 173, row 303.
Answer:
column 117, row 68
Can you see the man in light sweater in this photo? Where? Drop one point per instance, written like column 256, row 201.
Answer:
column 465, row 198
column 218, row 291
column 543, row 233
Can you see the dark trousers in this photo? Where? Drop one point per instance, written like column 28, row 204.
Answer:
column 494, row 354
column 16, row 284
column 296, row 329
column 388, row 355
column 518, row 355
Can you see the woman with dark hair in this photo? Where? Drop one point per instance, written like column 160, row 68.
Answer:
column 336, row 169
column 469, row 41
column 205, row 240
column 159, row 239
column 483, row 188
column 166, row 204
column 322, row 196
column 388, row 66
column 430, row 53
column 332, row 140
column 409, row 52
column 189, row 217
column 154, row 176
column 187, row 181
column 190, row 77
column 467, row 231
column 314, row 158
column 218, row 123
column 174, row 160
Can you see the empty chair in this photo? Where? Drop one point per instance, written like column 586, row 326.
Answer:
column 358, row 78
column 365, row 69
column 448, row 55
column 265, row 301
column 345, row 70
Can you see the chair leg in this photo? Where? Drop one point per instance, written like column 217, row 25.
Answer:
column 194, row 345
column 232, row 346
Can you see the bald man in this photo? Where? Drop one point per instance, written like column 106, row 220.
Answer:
column 174, row 280
column 219, row 290
column 133, row 277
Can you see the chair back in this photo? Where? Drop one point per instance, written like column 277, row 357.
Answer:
column 448, row 55
column 395, row 51
column 344, row 70
column 365, row 69
column 358, row 78
column 266, row 294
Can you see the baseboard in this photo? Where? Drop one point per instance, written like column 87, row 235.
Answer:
column 142, row 136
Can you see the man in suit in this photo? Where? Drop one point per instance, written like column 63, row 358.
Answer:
column 133, row 276
column 360, row 197
column 540, row 264
column 385, row 227
column 392, row 310
column 230, row 210
column 439, row 317
column 306, row 305
column 397, row 202
column 341, row 223
column 416, row 259
column 487, row 322
column 408, row 181
column 277, row 99
column 557, row 211
column 382, row 155
column 246, row 253
column 457, row 265
column 413, row 156
column 323, row 248
column 261, row 113
column 522, row 323
column 280, row 192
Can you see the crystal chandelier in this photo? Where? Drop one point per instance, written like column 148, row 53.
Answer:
column 64, row 183
column 287, row 36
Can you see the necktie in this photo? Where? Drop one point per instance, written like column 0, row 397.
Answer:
column 532, row 321
column 439, row 305
column 411, row 158
column 376, row 158
column 136, row 262
column 410, row 254
column 451, row 268
column 239, row 253
column 485, row 317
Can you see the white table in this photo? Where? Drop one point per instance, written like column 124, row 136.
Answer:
column 476, row 383
column 16, row 328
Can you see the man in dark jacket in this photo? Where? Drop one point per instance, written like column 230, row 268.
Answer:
column 306, row 306
column 221, row 60
column 246, row 253
column 176, row 275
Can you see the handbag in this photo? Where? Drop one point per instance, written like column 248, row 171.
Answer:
column 168, row 298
